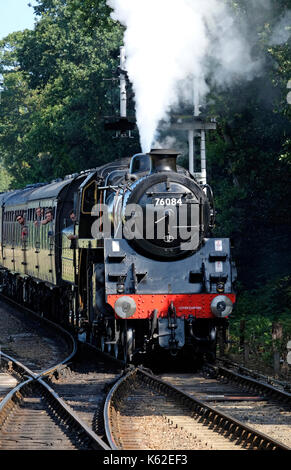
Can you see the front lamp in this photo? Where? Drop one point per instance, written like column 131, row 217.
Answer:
column 221, row 306
column 125, row 307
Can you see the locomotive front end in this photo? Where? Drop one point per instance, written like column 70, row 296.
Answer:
column 165, row 278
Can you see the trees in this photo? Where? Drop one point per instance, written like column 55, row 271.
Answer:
column 15, row 112
column 249, row 165
column 53, row 111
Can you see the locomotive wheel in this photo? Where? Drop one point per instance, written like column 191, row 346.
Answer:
column 108, row 337
column 117, row 346
column 116, row 351
column 154, row 322
column 102, row 343
column 128, row 344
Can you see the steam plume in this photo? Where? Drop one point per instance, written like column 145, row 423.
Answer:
column 170, row 45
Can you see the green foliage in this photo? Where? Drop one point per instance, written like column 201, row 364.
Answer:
column 260, row 308
column 52, row 114
column 249, row 156
column 4, row 179
column 249, row 167
column 271, row 300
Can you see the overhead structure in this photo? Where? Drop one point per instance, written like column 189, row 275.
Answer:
column 123, row 127
column 196, row 128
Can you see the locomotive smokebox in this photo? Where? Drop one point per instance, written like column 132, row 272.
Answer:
column 163, row 160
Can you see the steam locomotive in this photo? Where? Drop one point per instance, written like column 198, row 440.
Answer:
column 125, row 258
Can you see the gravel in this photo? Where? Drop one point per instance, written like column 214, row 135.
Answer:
column 23, row 338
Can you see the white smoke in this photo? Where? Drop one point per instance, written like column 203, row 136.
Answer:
column 166, row 143
column 282, row 31
column 169, row 46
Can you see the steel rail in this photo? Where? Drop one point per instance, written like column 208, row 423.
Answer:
column 252, row 373
column 36, row 379
column 237, row 431
column 66, row 334
column 109, row 405
column 96, row 440
column 64, row 411
column 18, row 367
column 251, row 384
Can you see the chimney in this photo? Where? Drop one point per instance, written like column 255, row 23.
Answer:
column 163, row 160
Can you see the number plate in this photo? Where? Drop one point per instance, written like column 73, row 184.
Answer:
column 167, row 201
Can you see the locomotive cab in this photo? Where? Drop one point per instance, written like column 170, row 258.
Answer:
column 140, row 163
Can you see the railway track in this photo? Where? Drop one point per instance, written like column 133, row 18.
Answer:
column 12, row 373
column 140, row 402
column 33, row 340
column 33, row 416
column 83, row 386
column 255, row 403
column 247, row 380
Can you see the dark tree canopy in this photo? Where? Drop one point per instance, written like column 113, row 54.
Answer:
column 58, row 94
